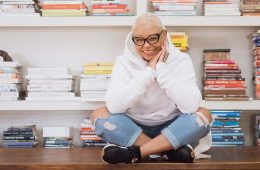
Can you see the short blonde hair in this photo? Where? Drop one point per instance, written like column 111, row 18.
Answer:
column 148, row 18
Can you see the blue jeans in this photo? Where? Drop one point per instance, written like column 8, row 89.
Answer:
column 122, row 130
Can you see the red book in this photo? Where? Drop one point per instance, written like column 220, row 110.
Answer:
column 224, row 82
column 221, row 62
column 225, row 86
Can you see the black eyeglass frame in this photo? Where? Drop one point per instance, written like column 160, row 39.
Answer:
column 147, row 39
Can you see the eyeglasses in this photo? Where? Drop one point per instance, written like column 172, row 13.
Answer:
column 152, row 39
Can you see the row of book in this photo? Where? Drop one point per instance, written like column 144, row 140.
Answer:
column 225, row 129
column 20, row 137
column 78, row 8
column 63, row 8
column 57, row 137
column 257, row 130
column 220, row 8
column 180, row 40
column 250, row 7
column 222, row 80
column 95, row 80
column 174, row 7
column 53, row 83
column 209, row 7
column 26, row 137
column 222, row 76
column 11, row 80
column 110, row 8
column 49, row 8
column 88, row 135
column 256, row 57
column 21, row 7
column 50, row 84
column 52, row 137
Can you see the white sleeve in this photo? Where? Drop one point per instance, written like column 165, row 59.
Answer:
column 123, row 91
column 179, row 81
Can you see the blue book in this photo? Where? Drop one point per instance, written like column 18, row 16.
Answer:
column 226, row 113
column 226, row 134
column 225, row 124
column 229, row 143
column 228, row 137
column 228, row 140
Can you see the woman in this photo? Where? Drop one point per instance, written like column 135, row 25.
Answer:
column 152, row 103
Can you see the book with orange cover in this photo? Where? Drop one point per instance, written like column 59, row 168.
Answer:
column 64, row 6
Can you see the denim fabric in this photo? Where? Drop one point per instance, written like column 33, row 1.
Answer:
column 118, row 129
column 185, row 130
column 122, row 130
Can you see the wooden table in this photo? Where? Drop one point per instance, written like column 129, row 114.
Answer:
column 228, row 158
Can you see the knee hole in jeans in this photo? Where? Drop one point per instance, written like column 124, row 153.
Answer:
column 201, row 119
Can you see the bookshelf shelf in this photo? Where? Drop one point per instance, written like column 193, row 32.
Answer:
column 211, row 21
column 232, row 105
column 50, row 105
column 91, row 105
column 37, row 21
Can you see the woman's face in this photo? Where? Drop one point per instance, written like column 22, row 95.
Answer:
column 148, row 40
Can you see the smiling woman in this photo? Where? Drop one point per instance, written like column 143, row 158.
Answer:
column 152, row 102
column 149, row 36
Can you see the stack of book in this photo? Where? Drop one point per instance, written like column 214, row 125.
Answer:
column 225, row 129
column 220, row 8
column 110, row 8
column 62, row 8
column 179, row 40
column 256, row 55
column 257, row 130
column 17, row 7
column 57, row 137
column 174, row 7
column 95, row 80
column 88, row 135
column 250, row 7
column 222, row 77
column 50, row 84
column 10, row 81
column 20, row 137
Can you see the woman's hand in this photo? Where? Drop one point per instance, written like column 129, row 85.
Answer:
column 155, row 60
column 160, row 57
column 163, row 57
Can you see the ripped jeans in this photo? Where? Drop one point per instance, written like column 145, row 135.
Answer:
column 122, row 130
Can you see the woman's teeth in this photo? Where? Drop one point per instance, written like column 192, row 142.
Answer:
column 148, row 51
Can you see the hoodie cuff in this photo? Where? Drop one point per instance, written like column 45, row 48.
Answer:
column 150, row 72
column 160, row 67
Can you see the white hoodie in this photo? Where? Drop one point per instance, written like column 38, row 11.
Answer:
column 152, row 97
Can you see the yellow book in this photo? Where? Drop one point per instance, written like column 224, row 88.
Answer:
column 179, row 40
column 97, row 72
column 98, row 64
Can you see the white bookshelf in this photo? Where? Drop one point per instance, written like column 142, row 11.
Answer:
column 50, row 105
column 37, row 21
column 72, row 41
column 93, row 104
column 105, row 21
column 231, row 105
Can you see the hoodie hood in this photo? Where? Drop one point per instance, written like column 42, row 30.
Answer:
column 135, row 58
